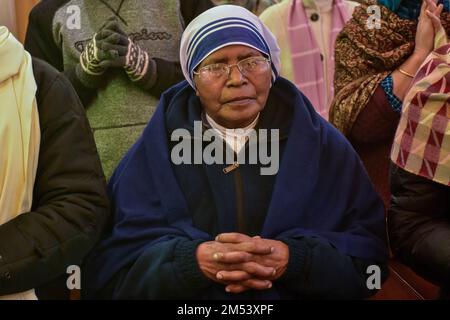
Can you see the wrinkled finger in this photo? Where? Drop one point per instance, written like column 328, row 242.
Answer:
column 236, row 288
column 252, row 283
column 257, row 270
column 255, row 247
column 232, row 276
column 257, row 284
column 232, row 257
column 232, row 237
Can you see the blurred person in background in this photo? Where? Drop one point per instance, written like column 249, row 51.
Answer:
column 374, row 71
column 419, row 215
column 119, row 55
column 306, row 31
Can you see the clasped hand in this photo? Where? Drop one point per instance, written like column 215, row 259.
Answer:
column 241, row 262
column 111, row 47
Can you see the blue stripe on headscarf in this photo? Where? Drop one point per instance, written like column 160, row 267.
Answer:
column 215, row 24
column 221, row 37
column 221, row 32
column 229, row 22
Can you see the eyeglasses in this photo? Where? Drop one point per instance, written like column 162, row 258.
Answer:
column 252, row 66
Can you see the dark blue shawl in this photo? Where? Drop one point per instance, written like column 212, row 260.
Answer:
column 321, row 190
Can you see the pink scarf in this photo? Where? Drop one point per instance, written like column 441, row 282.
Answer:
column 308, row 67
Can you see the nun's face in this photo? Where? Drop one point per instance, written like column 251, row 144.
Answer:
column 233, row 101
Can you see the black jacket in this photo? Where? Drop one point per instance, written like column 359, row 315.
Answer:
column 419, row 224
column 70, row 203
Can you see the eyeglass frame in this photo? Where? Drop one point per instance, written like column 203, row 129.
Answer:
column 230, row 66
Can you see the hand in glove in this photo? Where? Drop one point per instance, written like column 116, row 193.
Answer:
column 91, row 57
column 120, row 51
column 89, row 69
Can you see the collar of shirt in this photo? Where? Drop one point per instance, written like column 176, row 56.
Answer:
column 235, row 138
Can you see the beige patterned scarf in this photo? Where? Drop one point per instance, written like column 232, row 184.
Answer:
column 422, row 141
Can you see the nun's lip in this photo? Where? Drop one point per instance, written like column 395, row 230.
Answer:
column 241, row 100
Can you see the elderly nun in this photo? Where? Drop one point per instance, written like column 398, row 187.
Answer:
column 189, row 222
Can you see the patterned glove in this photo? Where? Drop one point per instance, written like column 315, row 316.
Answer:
column 89, row 69
column 91, row 57
column 121, row 51
column 136, row 64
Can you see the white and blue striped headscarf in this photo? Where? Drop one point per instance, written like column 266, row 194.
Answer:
column 222, row 26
